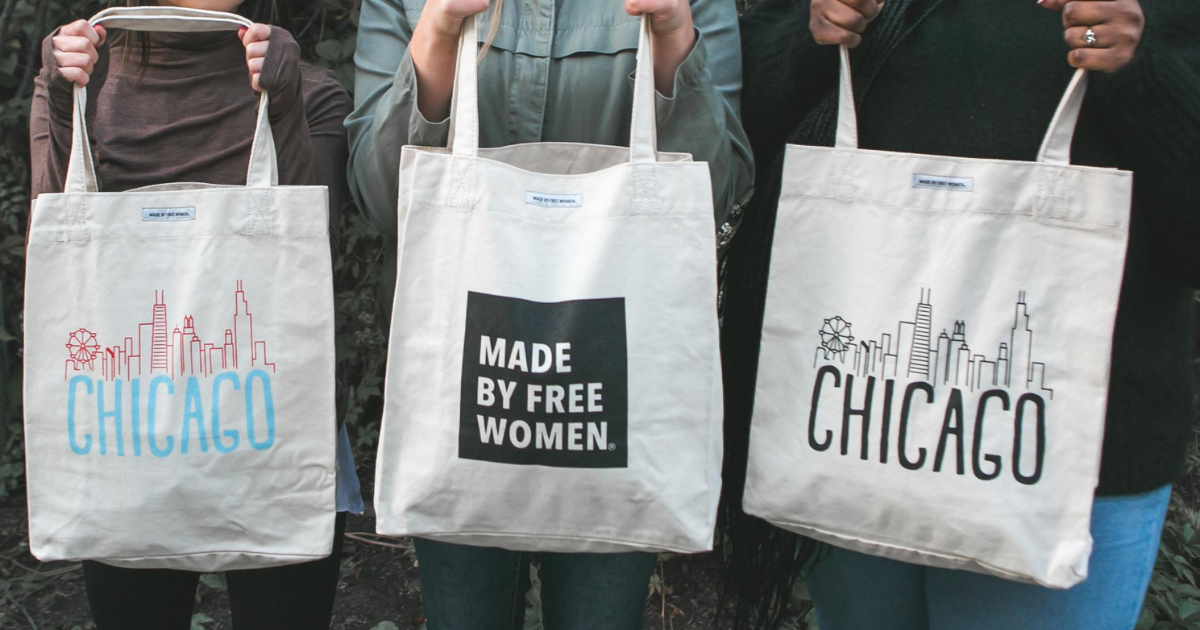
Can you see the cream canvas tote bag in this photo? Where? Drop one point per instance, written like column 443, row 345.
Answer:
column 935, row 352
column 179, row 366
column 553, row 379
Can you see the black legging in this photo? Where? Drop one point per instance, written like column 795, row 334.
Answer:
column 293, row 597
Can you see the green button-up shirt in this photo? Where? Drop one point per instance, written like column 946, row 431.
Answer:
column 559, row 70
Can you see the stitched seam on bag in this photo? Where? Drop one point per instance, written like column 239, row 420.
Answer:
column 593, row 539
column 592, row 218
column 883, row 541
column 214, row 552
column 193, row 235
column 1031, row 215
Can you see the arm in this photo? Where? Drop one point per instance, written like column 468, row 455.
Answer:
column 702, row 115
column 1153, row 106
column 327, row 104
column 385, row 116
column 273, row 58
column 67, row 59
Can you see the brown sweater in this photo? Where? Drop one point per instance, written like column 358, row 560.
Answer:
column 190, row 116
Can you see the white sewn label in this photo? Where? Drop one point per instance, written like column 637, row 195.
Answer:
column 169, row 214
column 553, row 201
column 938, row 182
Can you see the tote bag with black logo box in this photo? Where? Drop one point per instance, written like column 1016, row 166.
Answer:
column 179, row 370
column 553, row 378
column 934, row 367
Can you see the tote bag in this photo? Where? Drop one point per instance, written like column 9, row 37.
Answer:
column 935, row 352
column 179, row 370
column 553, row 379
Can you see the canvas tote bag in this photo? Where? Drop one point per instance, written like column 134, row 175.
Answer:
column 179, row 370
column 553, row 379
column 935, row 352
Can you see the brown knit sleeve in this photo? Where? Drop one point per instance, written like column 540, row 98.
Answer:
column 281, row 80
column 326, row 105
column 50, row 118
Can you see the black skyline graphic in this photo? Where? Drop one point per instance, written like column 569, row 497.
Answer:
column 912, row 352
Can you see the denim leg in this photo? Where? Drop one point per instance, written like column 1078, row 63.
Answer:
column 595, row 591
column 472, row 588
column 854, row 591
column 1126, row 532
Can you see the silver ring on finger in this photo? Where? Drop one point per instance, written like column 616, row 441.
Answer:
column 1089, row 38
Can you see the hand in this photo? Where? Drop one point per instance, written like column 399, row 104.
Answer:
column 75, row 50
column 444, row 18
column 841, row 21
column 1118, row 25
column 674, row 37
column 256, row 39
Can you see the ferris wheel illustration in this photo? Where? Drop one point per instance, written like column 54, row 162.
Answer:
column 83, row 347
column 836, row 337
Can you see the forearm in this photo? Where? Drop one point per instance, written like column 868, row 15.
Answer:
column 433, row 56
column 379, row 129
column 700, row 121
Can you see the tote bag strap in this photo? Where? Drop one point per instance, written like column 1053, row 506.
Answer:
column 81, row 172
column 1055, row 149
column 464, row 106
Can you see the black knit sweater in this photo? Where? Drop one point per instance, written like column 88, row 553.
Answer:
column 981, row 79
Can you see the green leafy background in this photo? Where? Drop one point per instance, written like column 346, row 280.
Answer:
column 326, row 30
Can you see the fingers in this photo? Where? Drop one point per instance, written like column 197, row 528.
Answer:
column 81, row 28
column 868, row 8
column 257, row 49
column 75, row 75
column 846, row 17
column 1101, row 59
column 1088, row 12
column 842, row 21
column 256, row 67
column 256, row 33
column 1107, row 36
column 73, row 61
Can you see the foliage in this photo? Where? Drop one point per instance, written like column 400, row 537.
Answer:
column 326, row 30
column 1173, row 601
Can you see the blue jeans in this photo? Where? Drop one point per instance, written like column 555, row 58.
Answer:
column 853, row 591
column 481, row 588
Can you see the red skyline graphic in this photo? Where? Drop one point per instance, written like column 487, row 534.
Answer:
column 173, row 353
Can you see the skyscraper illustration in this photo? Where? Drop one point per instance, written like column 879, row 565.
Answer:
column 918, row 364
column 178, row 352
column 158, row 352
column 946, row 360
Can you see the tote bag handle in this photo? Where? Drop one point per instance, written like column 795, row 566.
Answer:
column 464, row 106
column 1055, row 149
column 81, row 172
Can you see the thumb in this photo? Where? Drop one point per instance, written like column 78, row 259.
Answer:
column 102, row 33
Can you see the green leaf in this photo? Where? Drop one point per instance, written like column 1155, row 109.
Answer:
column 330, row 50
column 1188, row 608
column 386, row 625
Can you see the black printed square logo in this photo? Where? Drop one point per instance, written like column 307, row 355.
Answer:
column 545, row 384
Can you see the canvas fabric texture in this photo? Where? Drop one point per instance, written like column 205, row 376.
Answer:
column 553, row 379
column 179, row 361
column 935, row 352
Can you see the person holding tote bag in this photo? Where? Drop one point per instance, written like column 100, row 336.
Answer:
column 181, row 106
column 981, row 80
column 551, row 71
